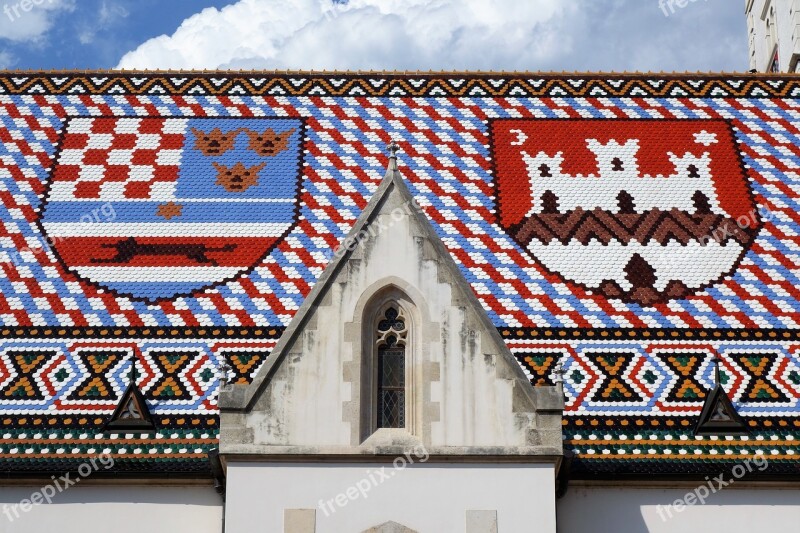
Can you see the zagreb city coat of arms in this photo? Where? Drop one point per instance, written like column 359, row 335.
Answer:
column 644, row 211
column 157, row 207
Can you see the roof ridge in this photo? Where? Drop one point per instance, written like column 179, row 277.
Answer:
column 324, row 72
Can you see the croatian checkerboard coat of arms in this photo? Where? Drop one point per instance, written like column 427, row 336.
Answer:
column 158, row 207
column 645, row 211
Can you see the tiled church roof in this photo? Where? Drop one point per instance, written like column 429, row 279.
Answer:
column 178, row 220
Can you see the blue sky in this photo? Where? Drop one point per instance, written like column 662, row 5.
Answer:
column 554, row 35
column 77, row 34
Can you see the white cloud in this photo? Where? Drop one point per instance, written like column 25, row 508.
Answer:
column 529, row 35
column 22, row 21
column 109, row 13
column 6, row 60
column 365, row 34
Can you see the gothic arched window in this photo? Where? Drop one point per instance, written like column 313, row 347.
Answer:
column 391, row 335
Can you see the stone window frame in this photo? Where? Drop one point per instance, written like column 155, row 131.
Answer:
column 370, row 312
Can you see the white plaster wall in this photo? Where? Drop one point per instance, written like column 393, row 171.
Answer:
column 786, row 19
column 121, row 509
column 635, row 510
column 428, row 498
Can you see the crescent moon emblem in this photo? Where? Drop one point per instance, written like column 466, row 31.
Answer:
column 521, row 137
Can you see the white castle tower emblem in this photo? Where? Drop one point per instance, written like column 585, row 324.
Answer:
column 651, row 214
column 618, row 173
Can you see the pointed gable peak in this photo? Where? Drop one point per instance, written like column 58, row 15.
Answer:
column 392, row 179
column 318, row 389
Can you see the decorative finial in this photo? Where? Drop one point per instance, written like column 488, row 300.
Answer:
column 717, row 361
column 133, row 371
column 393, row 149
column 224, row 372
column 559, row 371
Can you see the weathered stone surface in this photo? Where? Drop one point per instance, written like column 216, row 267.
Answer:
column 466, row 394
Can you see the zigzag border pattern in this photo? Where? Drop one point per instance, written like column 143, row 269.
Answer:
column 510, row 334
column 623, row 437
column 663, row 378
column 86, row 378
column 601, row 378
column 400, row 85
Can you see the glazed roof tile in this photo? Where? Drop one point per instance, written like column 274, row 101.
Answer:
column 629, row 227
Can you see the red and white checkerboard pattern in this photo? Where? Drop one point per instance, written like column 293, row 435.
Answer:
column 125, row 158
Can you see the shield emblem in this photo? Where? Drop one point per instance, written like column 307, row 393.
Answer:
column 644, row 211
column 157, row 207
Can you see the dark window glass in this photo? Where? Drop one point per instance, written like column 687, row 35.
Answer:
column 391, row 372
